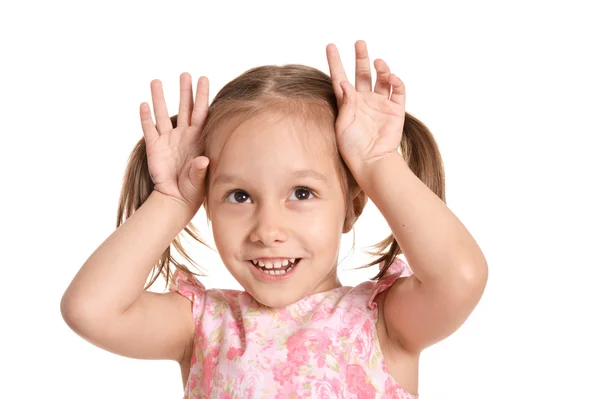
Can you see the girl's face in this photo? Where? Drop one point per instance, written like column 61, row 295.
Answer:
column 275, row 196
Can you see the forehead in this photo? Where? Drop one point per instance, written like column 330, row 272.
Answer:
column 274, row 125
column 273, row 140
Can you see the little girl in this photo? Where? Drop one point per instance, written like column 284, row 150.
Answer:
column 293, row 156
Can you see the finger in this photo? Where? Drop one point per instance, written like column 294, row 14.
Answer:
column 336, row 70
column 148, row 127
column 348, row 105
column 349, row 92
column 382, row 84
column 163, row 122
column 201, row 103
column 364, row 80
column 185, row 100
column 197, row 172
column 398, row 90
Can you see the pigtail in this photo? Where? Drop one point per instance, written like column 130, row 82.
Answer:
column 421, row 153
column 137, row 187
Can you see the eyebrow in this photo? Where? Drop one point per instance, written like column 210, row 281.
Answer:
column 225, row 178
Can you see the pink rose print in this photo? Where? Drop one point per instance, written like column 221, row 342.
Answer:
column 284, row 372
column 233, row 353
column 207, row 369
column 315, row 340
column 328, row 389
column 363, row 343
column 322, row 347
column 357, row 382
column 193, row 381
column 287, row 391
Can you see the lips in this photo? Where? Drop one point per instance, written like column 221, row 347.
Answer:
column 273, row 263
column 274, row 274
column 278, row 268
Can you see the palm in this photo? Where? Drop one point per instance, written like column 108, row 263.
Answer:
column 167, row 155
column 373, row 130
column 171, row 151
column 370, row 120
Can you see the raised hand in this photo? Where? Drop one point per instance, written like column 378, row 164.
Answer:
column 175, row 167
column 370, row 121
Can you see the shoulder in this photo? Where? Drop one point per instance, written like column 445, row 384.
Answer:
column 203, row 299
column 372, row 291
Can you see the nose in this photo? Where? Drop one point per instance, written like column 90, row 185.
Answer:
column 269, row 227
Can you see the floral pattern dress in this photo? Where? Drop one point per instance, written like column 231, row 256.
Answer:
column 323, row 346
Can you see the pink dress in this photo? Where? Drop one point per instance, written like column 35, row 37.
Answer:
column 323, row 346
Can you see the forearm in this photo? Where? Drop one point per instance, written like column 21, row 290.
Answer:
column 436, row 244
column 114, row 275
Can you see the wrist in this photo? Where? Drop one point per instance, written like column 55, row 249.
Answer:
column 175, row 206
column 368, row 173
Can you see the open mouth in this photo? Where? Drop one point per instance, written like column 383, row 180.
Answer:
column 274, row 271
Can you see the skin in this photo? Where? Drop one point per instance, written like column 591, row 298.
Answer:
column 265, row 211
column 107, row 305
column 450, row 271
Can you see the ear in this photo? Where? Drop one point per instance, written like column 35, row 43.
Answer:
column 355, row 208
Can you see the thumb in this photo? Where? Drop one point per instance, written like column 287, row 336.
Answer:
column 347, row 110
column 197, row 172
column 348, row 93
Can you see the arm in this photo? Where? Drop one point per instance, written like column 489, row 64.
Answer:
column 106, row 304
column 450, row 271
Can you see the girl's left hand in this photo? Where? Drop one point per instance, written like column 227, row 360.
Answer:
column 370, row 122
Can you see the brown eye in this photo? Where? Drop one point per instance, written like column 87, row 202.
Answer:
column 239, row 196
column 302, row 193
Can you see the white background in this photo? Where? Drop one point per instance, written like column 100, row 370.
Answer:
column 509, row 89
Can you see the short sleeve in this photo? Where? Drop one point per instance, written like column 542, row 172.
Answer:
column 188, row 286
column 398, row 269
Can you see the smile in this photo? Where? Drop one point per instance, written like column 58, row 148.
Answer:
column 274, row 270
column 277, row 267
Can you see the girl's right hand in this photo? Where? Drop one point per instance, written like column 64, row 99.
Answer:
column 175, row 167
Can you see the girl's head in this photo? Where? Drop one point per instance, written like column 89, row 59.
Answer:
column 276, row 185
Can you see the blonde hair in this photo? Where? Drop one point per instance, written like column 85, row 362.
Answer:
column 300, row 91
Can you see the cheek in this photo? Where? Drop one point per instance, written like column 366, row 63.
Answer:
column 320, row 229
column 325, row 226
column 227, row 232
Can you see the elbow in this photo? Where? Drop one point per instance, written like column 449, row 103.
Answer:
column 474, row 276
column 72, row 313
column 81, row 316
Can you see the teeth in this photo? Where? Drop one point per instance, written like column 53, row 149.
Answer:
column 275, row 265
column 270, row 265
